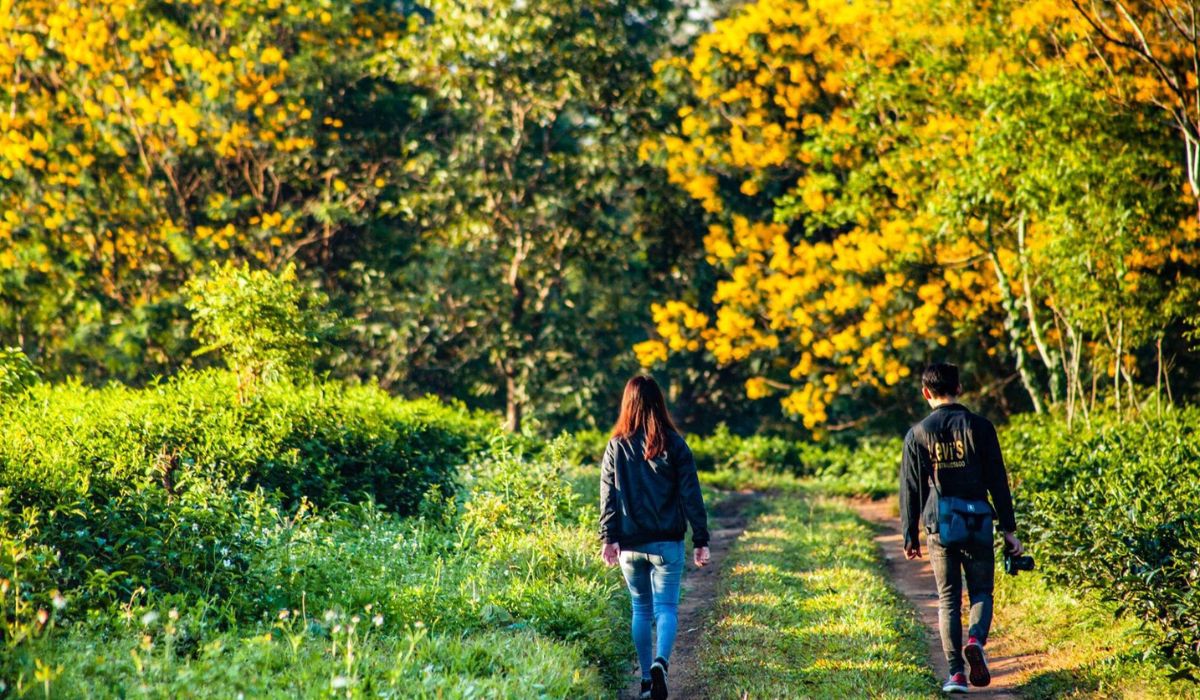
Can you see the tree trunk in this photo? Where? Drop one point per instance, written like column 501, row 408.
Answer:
column 512, row 353
column 512, row 412
column 1016, row 335
column 1050, row 357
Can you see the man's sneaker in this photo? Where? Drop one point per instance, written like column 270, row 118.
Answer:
column 977, row 663
column 658, row 679
column 645, row 694
column 955, row 684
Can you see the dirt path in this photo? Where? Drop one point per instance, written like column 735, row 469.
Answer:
column 727, row 521
column 915, row 581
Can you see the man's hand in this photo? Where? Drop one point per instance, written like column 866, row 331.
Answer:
column 912, row 551
column 1012, row 545
column 610, row 553
column 701, row 555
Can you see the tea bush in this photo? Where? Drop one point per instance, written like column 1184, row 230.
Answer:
column 1115, row 509
column 868, row 467
column 169, row 487
column 306, row 539
column 724, row 450
column 356, row 597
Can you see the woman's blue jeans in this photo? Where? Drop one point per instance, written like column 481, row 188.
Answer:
column 653, row 572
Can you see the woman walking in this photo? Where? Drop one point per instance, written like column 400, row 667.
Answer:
column 648, row 494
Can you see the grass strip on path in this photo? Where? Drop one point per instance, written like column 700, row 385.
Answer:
column 805, row 612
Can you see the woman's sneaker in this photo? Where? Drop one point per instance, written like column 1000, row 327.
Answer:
column 658, row 679
column 645, row 694
column 977, row 662
column 956, row 683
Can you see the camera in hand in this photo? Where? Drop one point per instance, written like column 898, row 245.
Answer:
column 1013, row 564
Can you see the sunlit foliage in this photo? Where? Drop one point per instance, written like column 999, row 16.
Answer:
column 892, row 182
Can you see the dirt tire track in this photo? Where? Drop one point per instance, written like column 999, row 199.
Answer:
column 727, row 521
column 914, row 579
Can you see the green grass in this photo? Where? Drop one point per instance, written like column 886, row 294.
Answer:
column 805, row 612
column 291, row 662
column 1078, row 647
column 500, row 595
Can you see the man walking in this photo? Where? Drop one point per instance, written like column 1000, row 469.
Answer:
column 951, row 465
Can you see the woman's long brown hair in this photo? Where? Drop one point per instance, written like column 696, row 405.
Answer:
column 643, row 408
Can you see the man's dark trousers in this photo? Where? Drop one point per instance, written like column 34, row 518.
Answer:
column 977, row 564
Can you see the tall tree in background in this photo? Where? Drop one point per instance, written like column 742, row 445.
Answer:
column 461, row 177
column 527, row 261
column 1162, row 40
column 140, row 139
column 894, row 181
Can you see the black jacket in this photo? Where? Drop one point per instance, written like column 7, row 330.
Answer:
column 963, row 449
column 650, row 501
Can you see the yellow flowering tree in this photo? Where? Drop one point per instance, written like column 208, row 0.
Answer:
column 897, row 181
column 819, row 304
column 139, row 139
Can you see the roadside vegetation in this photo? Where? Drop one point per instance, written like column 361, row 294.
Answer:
column 311, row 540
column 1107, row 508
column 196, row 539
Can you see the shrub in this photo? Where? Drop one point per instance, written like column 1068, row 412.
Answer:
column 869, row 467
column 585, row 447
column 509, row 493
column 169, row 487
column 1116, row 509
column 17, row 373
column 29, row 599
column 724, row 450
column 265, row 325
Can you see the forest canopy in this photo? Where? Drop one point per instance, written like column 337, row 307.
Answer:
column 783, row 213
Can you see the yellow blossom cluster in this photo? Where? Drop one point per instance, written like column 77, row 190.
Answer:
column 121, row 117
column 831, row 313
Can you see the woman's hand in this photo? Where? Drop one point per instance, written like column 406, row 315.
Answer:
column 701, row 555
column 610, row 553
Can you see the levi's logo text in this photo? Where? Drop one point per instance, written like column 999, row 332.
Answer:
column 948, row 452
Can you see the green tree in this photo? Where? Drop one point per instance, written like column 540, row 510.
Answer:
column 523, row 281
column 265, row 326
column 140, row 140
column 891, row 184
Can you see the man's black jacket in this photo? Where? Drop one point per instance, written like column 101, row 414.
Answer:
column 964, row 452
column 650, row 501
